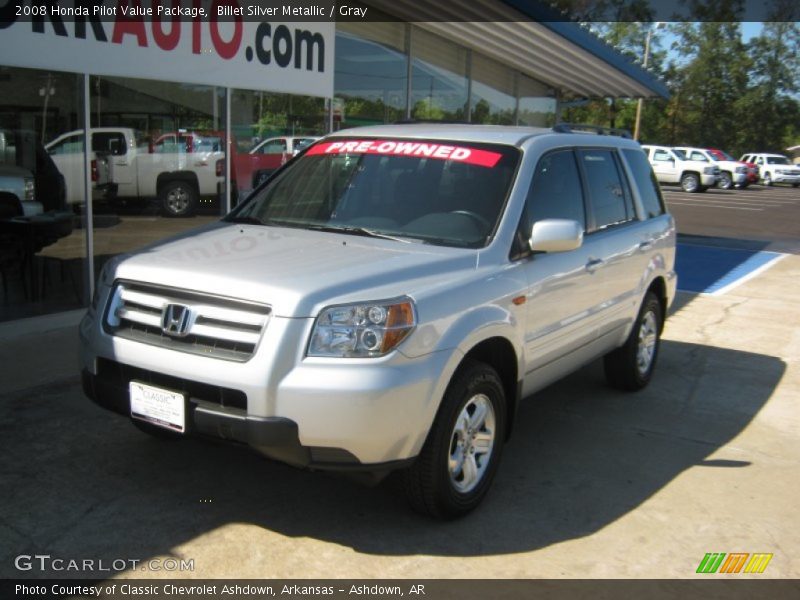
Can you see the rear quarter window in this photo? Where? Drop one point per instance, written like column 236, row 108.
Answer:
column 646, row 182
column 610, row 201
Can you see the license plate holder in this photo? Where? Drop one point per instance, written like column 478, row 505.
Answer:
column 158, row 406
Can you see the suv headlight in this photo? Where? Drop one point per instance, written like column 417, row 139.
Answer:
column 363, row 330
column 709, row 170
column 30, row 189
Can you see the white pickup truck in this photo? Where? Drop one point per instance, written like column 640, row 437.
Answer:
column 67, row 154
column 164, row 170
column 671, row 166
column 732, row 173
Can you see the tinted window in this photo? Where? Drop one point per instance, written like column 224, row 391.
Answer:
column 69, row 145
column 273, row 147
column 662, row 155
column 699, row 156
column 646, row 182
column 777, row 160
column 555, row 191
column 604, row 185
column 108, row 141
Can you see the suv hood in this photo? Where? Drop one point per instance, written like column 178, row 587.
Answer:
column 297, row 272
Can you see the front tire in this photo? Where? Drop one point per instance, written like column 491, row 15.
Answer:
column 767, row 179
column 690, row 182
column 178, row 199
column 630, row 367
column 458, row 462
column 725, row 180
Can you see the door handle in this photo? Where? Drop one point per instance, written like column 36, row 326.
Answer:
column 593, row 264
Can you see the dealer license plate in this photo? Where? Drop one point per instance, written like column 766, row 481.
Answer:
column 158, row 406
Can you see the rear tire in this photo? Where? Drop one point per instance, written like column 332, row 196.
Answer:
column 178, row 199
column 459, row 459
column 630, row 367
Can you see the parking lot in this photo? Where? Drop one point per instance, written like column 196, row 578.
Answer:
column 594, row 483
column 770, row 216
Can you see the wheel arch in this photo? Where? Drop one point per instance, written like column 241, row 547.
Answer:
column 498, row 352
column 170, row 176
column 659, row 287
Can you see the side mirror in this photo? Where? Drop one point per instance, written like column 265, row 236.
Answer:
column 555, row 235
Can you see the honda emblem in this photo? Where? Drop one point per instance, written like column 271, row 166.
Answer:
column 175, row 320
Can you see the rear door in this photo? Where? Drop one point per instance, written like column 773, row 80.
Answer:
column 626, row 242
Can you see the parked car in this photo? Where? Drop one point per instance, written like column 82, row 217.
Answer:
column 248, row 169
column 387, row 300
column 141, row 170
column 671, row 166
column 270, row 154
column 28, row 173
column 752, row 169
column 731, row 172
column 774, row 168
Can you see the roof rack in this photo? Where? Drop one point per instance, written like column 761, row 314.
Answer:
column 597, row 129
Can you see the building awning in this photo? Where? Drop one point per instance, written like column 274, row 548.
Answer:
column 528, row 36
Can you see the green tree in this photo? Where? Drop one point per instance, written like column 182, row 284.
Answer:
column 769, row 112
column 706, row 88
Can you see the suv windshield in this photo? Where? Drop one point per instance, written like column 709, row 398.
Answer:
column 448, row 193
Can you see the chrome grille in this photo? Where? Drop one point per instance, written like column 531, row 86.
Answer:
column 219, row 327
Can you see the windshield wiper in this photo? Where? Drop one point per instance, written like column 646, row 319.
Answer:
column 362, row 231
column 246, row 220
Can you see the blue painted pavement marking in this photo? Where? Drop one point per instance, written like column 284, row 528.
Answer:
column 710, row 270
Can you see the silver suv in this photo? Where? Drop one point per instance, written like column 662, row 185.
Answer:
column 388, row 297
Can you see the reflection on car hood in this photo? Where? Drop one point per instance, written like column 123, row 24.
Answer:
column 295, row 271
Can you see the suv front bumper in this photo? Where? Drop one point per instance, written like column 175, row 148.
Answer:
column 367, row 414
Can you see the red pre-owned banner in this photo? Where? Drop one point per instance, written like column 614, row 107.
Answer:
column 465, row 154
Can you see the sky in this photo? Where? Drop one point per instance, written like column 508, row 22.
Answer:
column 750, row 29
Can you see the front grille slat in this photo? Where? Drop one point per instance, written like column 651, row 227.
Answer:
column 219, row 327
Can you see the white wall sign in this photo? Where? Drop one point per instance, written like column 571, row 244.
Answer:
column 171, row 40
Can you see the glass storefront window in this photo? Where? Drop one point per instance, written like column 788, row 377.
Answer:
column 493, row 91
column 439, row 78
column 42, row 242
column 537, row 106
column 371, row 76
column 164, row 145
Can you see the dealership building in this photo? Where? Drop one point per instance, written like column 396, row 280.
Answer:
column 197, row 95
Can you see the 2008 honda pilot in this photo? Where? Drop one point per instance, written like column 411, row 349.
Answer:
column 386, row 299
